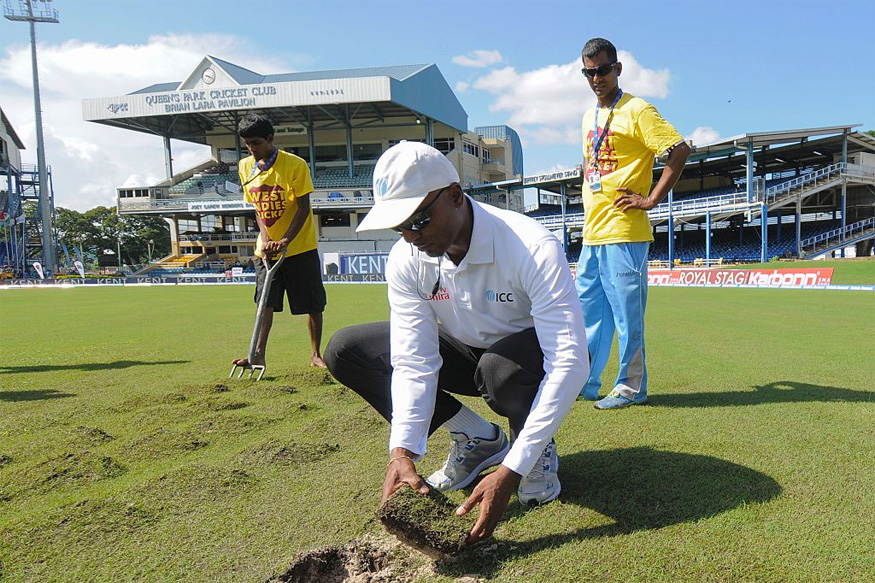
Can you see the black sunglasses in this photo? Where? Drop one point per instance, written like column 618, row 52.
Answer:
column 420, row 220
column 601, row 70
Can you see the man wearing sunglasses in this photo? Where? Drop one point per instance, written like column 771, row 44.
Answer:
column 483, row 305
column 622, row 135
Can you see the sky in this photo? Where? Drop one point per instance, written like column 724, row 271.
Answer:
column 715, row 69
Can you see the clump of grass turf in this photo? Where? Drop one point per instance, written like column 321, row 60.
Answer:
column 162, row 442
column 427, row 522
column 93, row 435
column 76, row 468
column 221, row 405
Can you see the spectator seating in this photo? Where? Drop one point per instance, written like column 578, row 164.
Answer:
column 725, row 243
column 328, row 177
column 209, row 181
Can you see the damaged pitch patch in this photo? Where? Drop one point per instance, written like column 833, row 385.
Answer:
column 371, row 559
column 93, row 435
column 288, row 453
column 162, row 442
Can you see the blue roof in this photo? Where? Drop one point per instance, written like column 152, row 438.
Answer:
column 157, row 88
column 398, row 72
column 420, row 88
column 247, row 77
column 238, row 73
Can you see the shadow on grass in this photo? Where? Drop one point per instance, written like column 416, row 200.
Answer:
column 88, row 366
column 777, row 392
column 639, row 489
column 39, row 395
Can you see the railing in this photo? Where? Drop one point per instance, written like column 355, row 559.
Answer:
column 553, row 221
column 342, row 200
column 841, row 234
column 218, row 238
column 738, row 200
column 724, row 202
column 134, row 204
column 860, row 171
column 160, row 203
column 210, row 265
column 699, row 205
column 810, row 179
column 702, row 262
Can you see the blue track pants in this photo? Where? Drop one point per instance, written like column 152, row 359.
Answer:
column 612, row 286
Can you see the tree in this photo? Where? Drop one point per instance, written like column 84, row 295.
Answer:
column 138, row 231
column 102, row 231
column 75, row 230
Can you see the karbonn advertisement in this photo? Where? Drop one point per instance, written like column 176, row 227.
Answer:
column 797, row 278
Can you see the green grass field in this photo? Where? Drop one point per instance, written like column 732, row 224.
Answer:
column 126, row 454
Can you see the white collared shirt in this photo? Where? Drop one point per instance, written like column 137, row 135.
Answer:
column 515, row 276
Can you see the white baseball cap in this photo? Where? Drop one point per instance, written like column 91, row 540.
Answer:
column 403, row 177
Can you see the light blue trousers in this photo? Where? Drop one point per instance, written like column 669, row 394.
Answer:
column 612, row 287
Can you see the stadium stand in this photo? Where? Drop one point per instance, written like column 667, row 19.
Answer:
column 340, row 121
column 826, row 185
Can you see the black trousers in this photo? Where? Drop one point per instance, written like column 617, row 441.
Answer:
column 507, row 374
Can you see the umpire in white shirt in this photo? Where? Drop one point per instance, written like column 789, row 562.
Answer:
column 482, row 304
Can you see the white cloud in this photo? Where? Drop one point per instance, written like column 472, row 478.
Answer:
column 89, row 161
column 552, row 168
column 461, row 87
column 704, row 135
column 545, row 105
column 551, row 135
column 641, row 81
column 478, row 59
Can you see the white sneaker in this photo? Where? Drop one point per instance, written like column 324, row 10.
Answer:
column 468, row 457
column 542, row 483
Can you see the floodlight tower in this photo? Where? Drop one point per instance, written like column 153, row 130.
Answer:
column 42, row 12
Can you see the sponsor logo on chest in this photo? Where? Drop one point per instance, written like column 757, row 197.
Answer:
column 499, row 297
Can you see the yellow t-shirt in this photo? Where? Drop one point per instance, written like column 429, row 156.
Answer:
column 636, row 136
column 274, row 194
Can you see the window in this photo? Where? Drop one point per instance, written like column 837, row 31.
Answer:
column 393, row 142
column 187, row 226
column 334, row 220
column 134, row 193
column 210, row 222
column 471, row 149
column 445, row 145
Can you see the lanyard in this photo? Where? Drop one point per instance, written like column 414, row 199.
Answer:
column 266, row 166
column 600, row 138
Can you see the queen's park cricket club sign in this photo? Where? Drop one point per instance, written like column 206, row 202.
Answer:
column 240, row 97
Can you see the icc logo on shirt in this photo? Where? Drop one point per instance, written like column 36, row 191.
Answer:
column 498, row 297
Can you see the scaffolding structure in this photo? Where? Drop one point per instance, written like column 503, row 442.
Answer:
column 32, row 12
column 22, row 227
